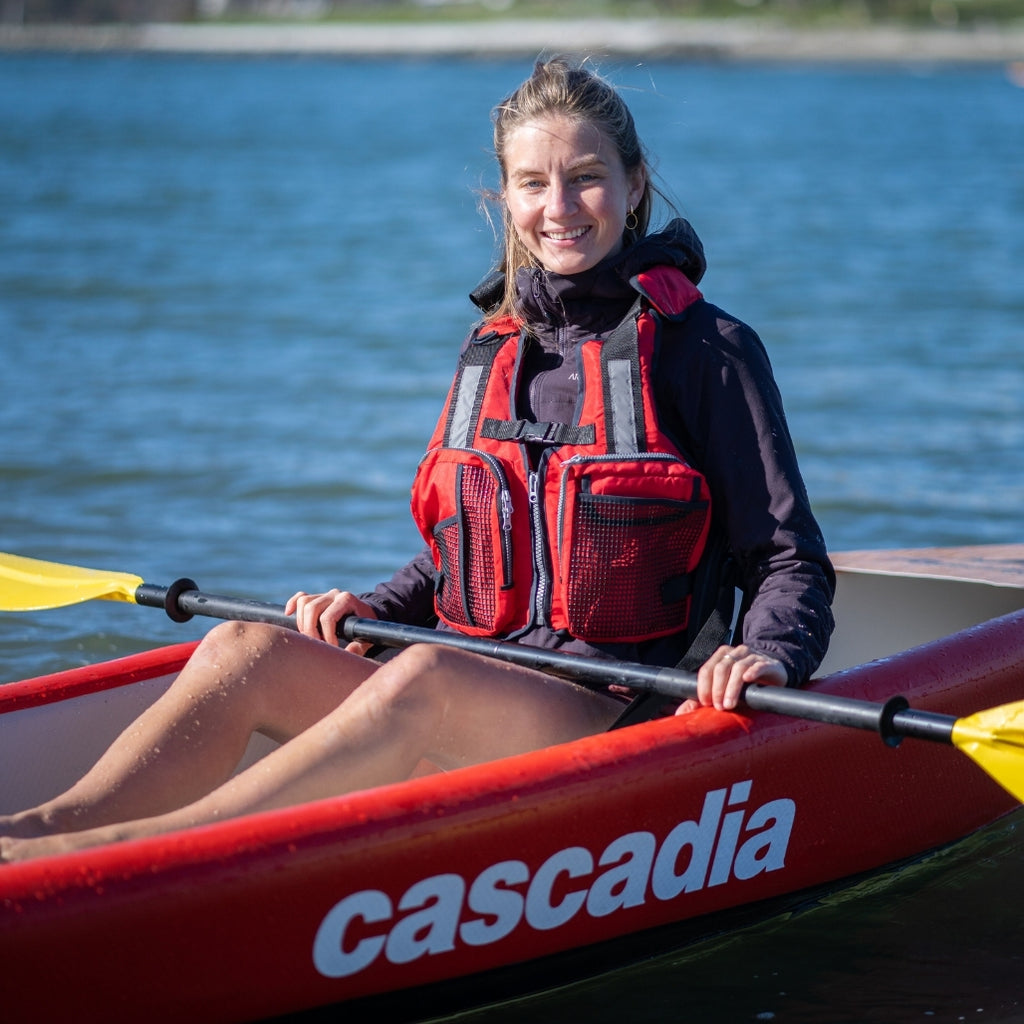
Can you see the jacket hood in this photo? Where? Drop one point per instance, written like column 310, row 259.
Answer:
column 676, row 246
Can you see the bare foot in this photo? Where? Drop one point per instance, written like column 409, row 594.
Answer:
column 14, row 849
column 10, row 851
column 15, row 830
column 23, row 825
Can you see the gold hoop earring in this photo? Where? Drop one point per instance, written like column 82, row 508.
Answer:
column 631, row 216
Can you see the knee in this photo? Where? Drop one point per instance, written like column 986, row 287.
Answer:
column 231, row 640
column 423, row 659
column 229, row 652
column 414, row 680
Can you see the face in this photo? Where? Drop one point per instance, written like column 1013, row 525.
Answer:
column 567, row 193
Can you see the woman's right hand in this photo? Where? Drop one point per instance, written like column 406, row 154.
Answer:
column 318, row 615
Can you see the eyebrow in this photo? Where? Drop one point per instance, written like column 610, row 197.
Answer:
column 577, row 165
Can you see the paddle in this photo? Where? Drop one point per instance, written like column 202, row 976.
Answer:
column 993, row 739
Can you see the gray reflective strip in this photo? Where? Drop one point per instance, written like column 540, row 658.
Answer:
column 620, row 386
column 465, row 402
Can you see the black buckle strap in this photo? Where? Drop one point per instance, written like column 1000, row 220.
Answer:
column 538, row 433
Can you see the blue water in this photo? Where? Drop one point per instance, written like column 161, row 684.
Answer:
column 231, row 293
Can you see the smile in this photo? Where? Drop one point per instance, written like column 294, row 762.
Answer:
column 566, row 236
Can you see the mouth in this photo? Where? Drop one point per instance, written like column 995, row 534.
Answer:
column 566, row 236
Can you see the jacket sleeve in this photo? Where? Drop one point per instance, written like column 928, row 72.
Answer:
column 715, row 378
column 408, row 597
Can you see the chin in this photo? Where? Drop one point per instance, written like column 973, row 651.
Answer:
column 574, row 265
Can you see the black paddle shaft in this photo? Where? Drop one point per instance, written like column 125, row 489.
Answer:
column 893, row 720
column 182, row 599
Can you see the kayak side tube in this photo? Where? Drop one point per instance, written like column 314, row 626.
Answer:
column 457, row 873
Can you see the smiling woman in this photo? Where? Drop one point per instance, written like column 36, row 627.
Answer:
column 609, row 438
column 568, row 150
column 567, row 193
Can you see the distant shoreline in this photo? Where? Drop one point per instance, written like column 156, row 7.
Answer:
column 739, row 40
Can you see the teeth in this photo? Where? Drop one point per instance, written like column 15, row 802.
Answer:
column 564, row 236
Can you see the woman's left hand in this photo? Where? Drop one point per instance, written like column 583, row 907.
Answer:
column 720, row 680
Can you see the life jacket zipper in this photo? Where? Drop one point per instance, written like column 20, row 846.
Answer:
column 540, row 595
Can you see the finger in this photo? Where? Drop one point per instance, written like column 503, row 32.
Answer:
column 341, row 605
column 706, row 681
column 767, row 671
column 729, row 693
column 302, row 612
column 328, row 616
column 308, row 611
column 753, row 668
column 689, row 705
column 714, row 675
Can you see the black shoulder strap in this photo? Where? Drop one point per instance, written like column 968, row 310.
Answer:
column 625, row 427
column 469, row 388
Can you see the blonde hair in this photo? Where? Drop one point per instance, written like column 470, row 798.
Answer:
column 561, row 87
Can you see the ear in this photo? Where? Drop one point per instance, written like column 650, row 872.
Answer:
column 637, row 185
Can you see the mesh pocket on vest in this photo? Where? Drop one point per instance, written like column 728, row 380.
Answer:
column 626, row 572
column 467, row 594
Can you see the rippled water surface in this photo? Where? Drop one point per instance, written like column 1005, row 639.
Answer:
column 232, row 291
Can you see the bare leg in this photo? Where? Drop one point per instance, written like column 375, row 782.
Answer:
column 432, row 703
column 243, row 678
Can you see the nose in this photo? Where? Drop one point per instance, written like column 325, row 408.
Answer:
column 561, row 201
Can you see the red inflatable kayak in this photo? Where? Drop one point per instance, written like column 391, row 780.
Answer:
column 571, row 851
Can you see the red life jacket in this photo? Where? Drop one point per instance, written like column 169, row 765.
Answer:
column 600, row 533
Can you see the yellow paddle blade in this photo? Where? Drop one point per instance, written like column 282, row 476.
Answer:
column 994, row 739
column 28, row 584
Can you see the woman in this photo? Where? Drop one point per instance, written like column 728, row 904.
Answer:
column 599, row 387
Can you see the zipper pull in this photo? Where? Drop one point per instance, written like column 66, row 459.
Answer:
column 534, row 489
column 506, row 509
